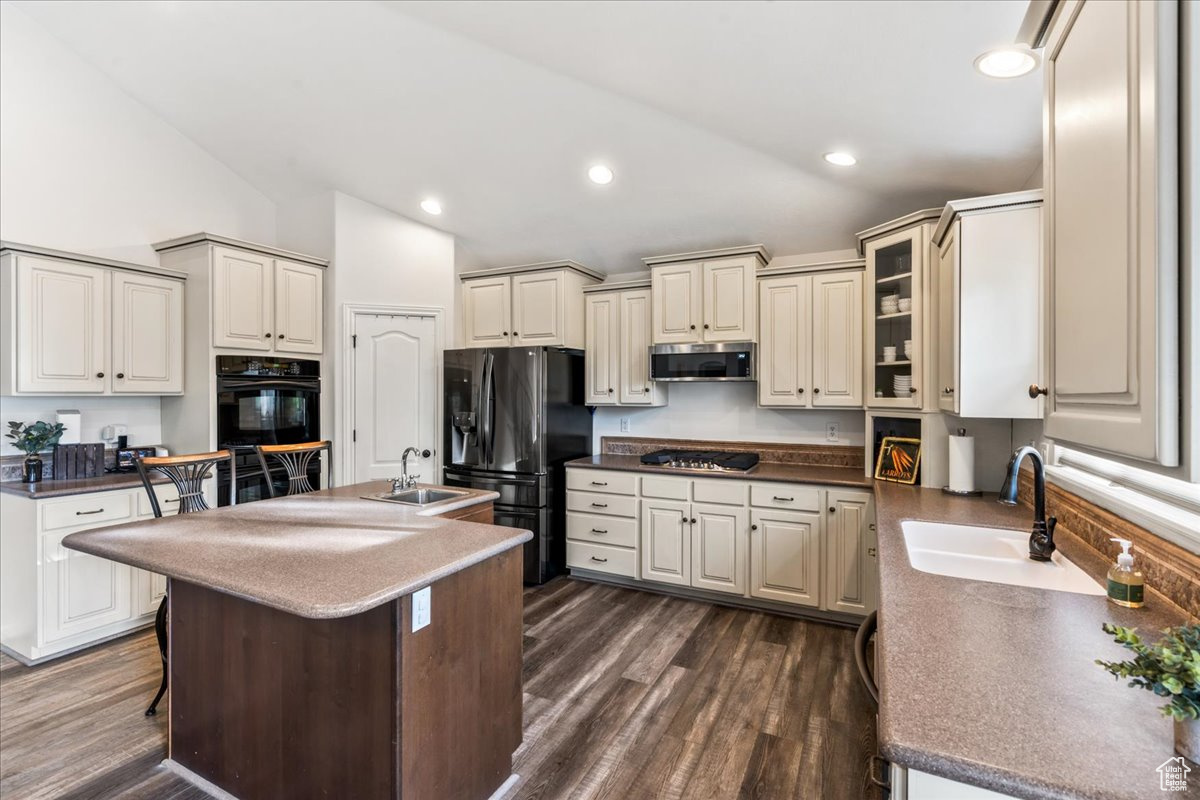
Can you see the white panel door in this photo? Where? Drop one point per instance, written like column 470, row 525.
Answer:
column 666, row 542
column 1111, row 155
column 720, row 548
column 851, row 569
column 298, row 307
column 80, row 592
column 538, row 302
column 678, row 307
column 785, row 564
column 636, row 388
column 783, row 341
column 62, row 327
column 396, row 395
column 147, row 334
column 837, row 340
column 730, row 301
column 487, row 303
column 601, row 342
column 947, row 320
column 243, row 299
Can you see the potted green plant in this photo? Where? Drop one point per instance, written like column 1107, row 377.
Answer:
column 1170, row 668
column 33, row 439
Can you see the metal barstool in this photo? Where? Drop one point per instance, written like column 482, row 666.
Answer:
column 295, row 459
column 188, row 473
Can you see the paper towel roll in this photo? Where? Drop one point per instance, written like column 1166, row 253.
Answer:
column 962, row 463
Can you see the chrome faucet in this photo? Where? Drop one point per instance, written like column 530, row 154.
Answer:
column 405, row 480
column 1041, row 540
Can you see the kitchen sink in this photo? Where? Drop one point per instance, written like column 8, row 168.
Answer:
column 995, row 555
column 415, row 497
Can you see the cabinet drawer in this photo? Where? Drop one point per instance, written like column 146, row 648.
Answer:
column 721, row 491
column 602, row 558
column 665, row 488
column 595, row 480
column 88, row 509
column 168, row 500
column 620, row 531
column 785, row 495
column 616, row 505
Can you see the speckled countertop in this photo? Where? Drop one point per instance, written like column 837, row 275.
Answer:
column 995, row 685
column 319, row 555
column 107, row 482
column 764, row 471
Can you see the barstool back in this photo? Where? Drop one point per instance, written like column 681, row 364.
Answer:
column 295, row 459
column 188, row 473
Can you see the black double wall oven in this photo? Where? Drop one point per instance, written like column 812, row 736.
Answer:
column 264, row 400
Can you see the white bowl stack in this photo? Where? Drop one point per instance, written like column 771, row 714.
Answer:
column 902, row 385
column 908, row 349
column 889, row 304
column 904, row 304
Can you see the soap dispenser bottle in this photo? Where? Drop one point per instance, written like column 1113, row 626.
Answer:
column 1126, row 586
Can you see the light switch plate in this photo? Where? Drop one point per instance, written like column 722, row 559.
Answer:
column 625, row 425
column 421, row 610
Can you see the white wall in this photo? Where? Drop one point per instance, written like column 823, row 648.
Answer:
column 726, row 411
column 139, row 414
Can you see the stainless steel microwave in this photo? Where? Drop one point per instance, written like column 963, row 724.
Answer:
column 726, row 361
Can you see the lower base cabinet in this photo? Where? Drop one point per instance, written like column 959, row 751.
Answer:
column 666, row 542
column 720, row 548
column 785, row 561
column 851, row 569
column 911, row 784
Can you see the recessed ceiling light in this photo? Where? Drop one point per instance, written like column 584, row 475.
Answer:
column 841, row 159
column 1007, row 62
column 431, row 206
column 600, row 174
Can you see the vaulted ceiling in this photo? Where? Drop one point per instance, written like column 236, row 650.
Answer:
column 713, row 115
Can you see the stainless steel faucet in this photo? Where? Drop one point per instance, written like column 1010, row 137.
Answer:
column 1041, row 540
column 405, row 481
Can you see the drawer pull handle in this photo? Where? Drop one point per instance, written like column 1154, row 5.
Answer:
column 597, row 530
column 599, row 505
column 172, row 500
column 783, row 499
column 599, row 483
column 86, row 513
column 601, row 560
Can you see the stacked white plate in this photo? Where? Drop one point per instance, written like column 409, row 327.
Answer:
column 902, row 385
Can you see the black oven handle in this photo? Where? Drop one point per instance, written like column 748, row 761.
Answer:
column 302, row 385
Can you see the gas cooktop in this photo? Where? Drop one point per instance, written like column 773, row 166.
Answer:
column 706, row 460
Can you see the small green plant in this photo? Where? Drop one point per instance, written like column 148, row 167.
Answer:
column 36, row 437
column 1170, row 668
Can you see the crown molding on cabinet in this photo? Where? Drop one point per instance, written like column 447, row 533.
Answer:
column 82, row 258
column 229, row 241
column 992, row 202
column 782, row 269
column 618, row 286
column 899, row 223
column 541, row 266
column 706, row 255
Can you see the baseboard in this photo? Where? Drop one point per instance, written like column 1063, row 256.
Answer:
column 33, row 662
column 206, row 786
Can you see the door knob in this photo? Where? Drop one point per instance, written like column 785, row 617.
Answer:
column 426, row 453
column 1035, row 390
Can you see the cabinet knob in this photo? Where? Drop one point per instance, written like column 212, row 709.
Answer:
column 948, row 390
column 706, row 326
column 267, row 335
column 693, row 327
column 610, row 391
column 800, row 390
column 120, row 374
column 516, row 334
column 692, row 520
column 1035, row 390
column 280, row 336
column 753, row 527
column 506, row 333
column 816, row 391
column 99, row 374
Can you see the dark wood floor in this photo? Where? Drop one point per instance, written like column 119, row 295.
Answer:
column 627, row 695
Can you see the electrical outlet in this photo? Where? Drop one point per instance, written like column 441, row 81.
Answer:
column 625, row 425
column 831, row 431
column 421, row 608
column 120, row 430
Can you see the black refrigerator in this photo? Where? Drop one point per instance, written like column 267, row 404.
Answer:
column 513, row 417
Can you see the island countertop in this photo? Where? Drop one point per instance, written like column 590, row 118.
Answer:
column 320, row 555
column 996, row 685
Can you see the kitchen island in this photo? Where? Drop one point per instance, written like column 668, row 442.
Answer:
column 301, row 665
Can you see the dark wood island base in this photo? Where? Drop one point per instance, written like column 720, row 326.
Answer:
column 267, row 704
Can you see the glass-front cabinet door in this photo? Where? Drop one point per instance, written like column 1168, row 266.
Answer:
column 896, row 274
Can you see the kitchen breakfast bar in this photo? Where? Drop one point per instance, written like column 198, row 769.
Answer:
column 296, row 669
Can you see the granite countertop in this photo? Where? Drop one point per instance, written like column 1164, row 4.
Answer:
column 106, row 482
column 995, row 685
column 319, row 555
column 765, row 471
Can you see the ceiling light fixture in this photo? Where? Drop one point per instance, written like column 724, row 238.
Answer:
column 600, row 174
column 1007, row 62
column 841, row 159
column 431, row 206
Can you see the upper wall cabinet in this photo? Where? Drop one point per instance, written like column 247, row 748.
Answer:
column 265, row 303
column 616, row 344
column 1112, row 215
column 705, row 297
column 898, row 330
column 811, row 340
column 988, row 286
column 526, row 306
column 76, row 324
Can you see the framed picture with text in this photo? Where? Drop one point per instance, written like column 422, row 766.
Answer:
column 899, row 459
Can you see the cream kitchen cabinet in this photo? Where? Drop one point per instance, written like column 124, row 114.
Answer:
column 299, row 304
column 526, row 306
column 988, row 280
column 810, row 340
column 785, row 556
column 851, row 567
column 666, row 542
column 76, row 324
column 1111, row 159
column 720, row 547
column 264, row 303
column 616, row 345
column 705, row 297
